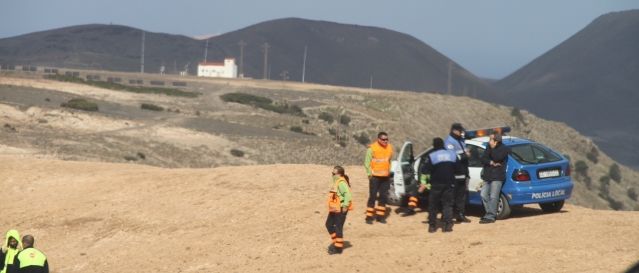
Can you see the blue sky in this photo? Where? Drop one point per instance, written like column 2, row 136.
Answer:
column 491, row 38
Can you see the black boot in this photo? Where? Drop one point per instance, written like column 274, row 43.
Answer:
column 448, row 227
column 369, row 220
column 432, row 228
column 408, row 212
column 461, row 218
column 334, row 250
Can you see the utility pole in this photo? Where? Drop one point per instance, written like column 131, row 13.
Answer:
column 304, row 65
column 265, row 46
column 450, row 71
column 371, row 83
column 242, row 44
column 206, row 50
column 142, row 57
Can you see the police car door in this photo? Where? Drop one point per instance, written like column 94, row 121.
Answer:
column 474, row 166
column 403, row 169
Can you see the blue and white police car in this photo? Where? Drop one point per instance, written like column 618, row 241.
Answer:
column 535, row 174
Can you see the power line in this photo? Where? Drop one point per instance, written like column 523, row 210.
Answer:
column 265, row 46
column 142, row 56
column 206, row 50
column 242, row 44
column 304, row 65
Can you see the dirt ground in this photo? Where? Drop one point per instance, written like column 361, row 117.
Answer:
column 107, row 217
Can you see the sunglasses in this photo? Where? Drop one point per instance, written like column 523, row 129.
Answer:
column 383, row 139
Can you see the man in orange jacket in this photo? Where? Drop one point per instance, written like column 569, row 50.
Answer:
column 377, row 164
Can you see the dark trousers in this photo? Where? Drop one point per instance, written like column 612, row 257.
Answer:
column 440, row 194
column 378, row 186
column 377, row 191
column 460, row 196
column 335, row 227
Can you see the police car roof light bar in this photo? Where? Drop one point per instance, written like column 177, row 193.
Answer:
column 485, row 132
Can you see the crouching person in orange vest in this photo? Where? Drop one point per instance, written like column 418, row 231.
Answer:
column 339, row 203
column 377, row 164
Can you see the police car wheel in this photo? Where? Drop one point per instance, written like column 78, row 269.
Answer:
column 503, row 208
column 552, row 206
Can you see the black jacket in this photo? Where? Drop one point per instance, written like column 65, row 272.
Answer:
column 441, row 168
column 498, row 155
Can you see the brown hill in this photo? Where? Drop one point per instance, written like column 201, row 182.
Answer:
column 104, row 217
column 589, row 82
column 339, row 54
column 207, row 131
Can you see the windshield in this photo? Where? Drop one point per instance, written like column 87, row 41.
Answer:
column 532, row 153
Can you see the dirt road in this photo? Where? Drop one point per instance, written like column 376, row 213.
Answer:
column 102, row 217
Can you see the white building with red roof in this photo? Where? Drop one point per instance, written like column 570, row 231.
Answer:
column 226, row 69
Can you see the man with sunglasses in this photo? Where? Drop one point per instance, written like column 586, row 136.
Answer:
column 377, row 164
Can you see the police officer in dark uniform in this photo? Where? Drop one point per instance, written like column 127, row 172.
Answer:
column 455, row 142
column 440, row 175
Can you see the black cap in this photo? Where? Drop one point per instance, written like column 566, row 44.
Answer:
column 457, row 126
column 438, row 143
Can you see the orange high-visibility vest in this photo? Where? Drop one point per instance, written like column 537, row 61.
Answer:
column 334, row 200
column 380, row 163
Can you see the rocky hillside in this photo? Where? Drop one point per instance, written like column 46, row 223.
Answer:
column 300, row 123
column 589, row 82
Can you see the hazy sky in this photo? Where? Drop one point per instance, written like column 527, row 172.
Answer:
column 490, row 38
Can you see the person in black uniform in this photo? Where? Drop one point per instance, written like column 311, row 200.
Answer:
column 440, row 175
column 455, row 142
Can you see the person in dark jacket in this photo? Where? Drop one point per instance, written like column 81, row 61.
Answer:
column 455, row 142
column 439, row 172
column 494, row 160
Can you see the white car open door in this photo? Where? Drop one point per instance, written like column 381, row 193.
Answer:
column 403, row 172
column 474, row 166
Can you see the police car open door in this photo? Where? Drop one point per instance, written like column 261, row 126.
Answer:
column 403, row 169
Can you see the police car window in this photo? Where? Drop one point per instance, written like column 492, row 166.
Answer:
column 475, row 156
column 543, row 154
column 407, row 156
column 533, row 154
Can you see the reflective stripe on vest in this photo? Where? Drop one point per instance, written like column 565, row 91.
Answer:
column 31, row 257
column 440, row 156
column 459, row 147
column 380, row 163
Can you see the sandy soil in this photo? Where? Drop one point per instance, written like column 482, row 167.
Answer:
column 104, row 217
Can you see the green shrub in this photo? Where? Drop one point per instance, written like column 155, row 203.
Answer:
column 130, row 158
column 344, row 119
column 243, row 98
column 141, row 155
column 151, row 107
column 614, row 204
column 593, row 155
column 81, row 104
column 237, row 153
column 297, row 129
column 615, row 173
column 604, row 186
column 326, row 117
column 263, row 103
column 632, row 194
column 581, row 168
column 332, row 131
column 362, row 138
column 122, row 87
